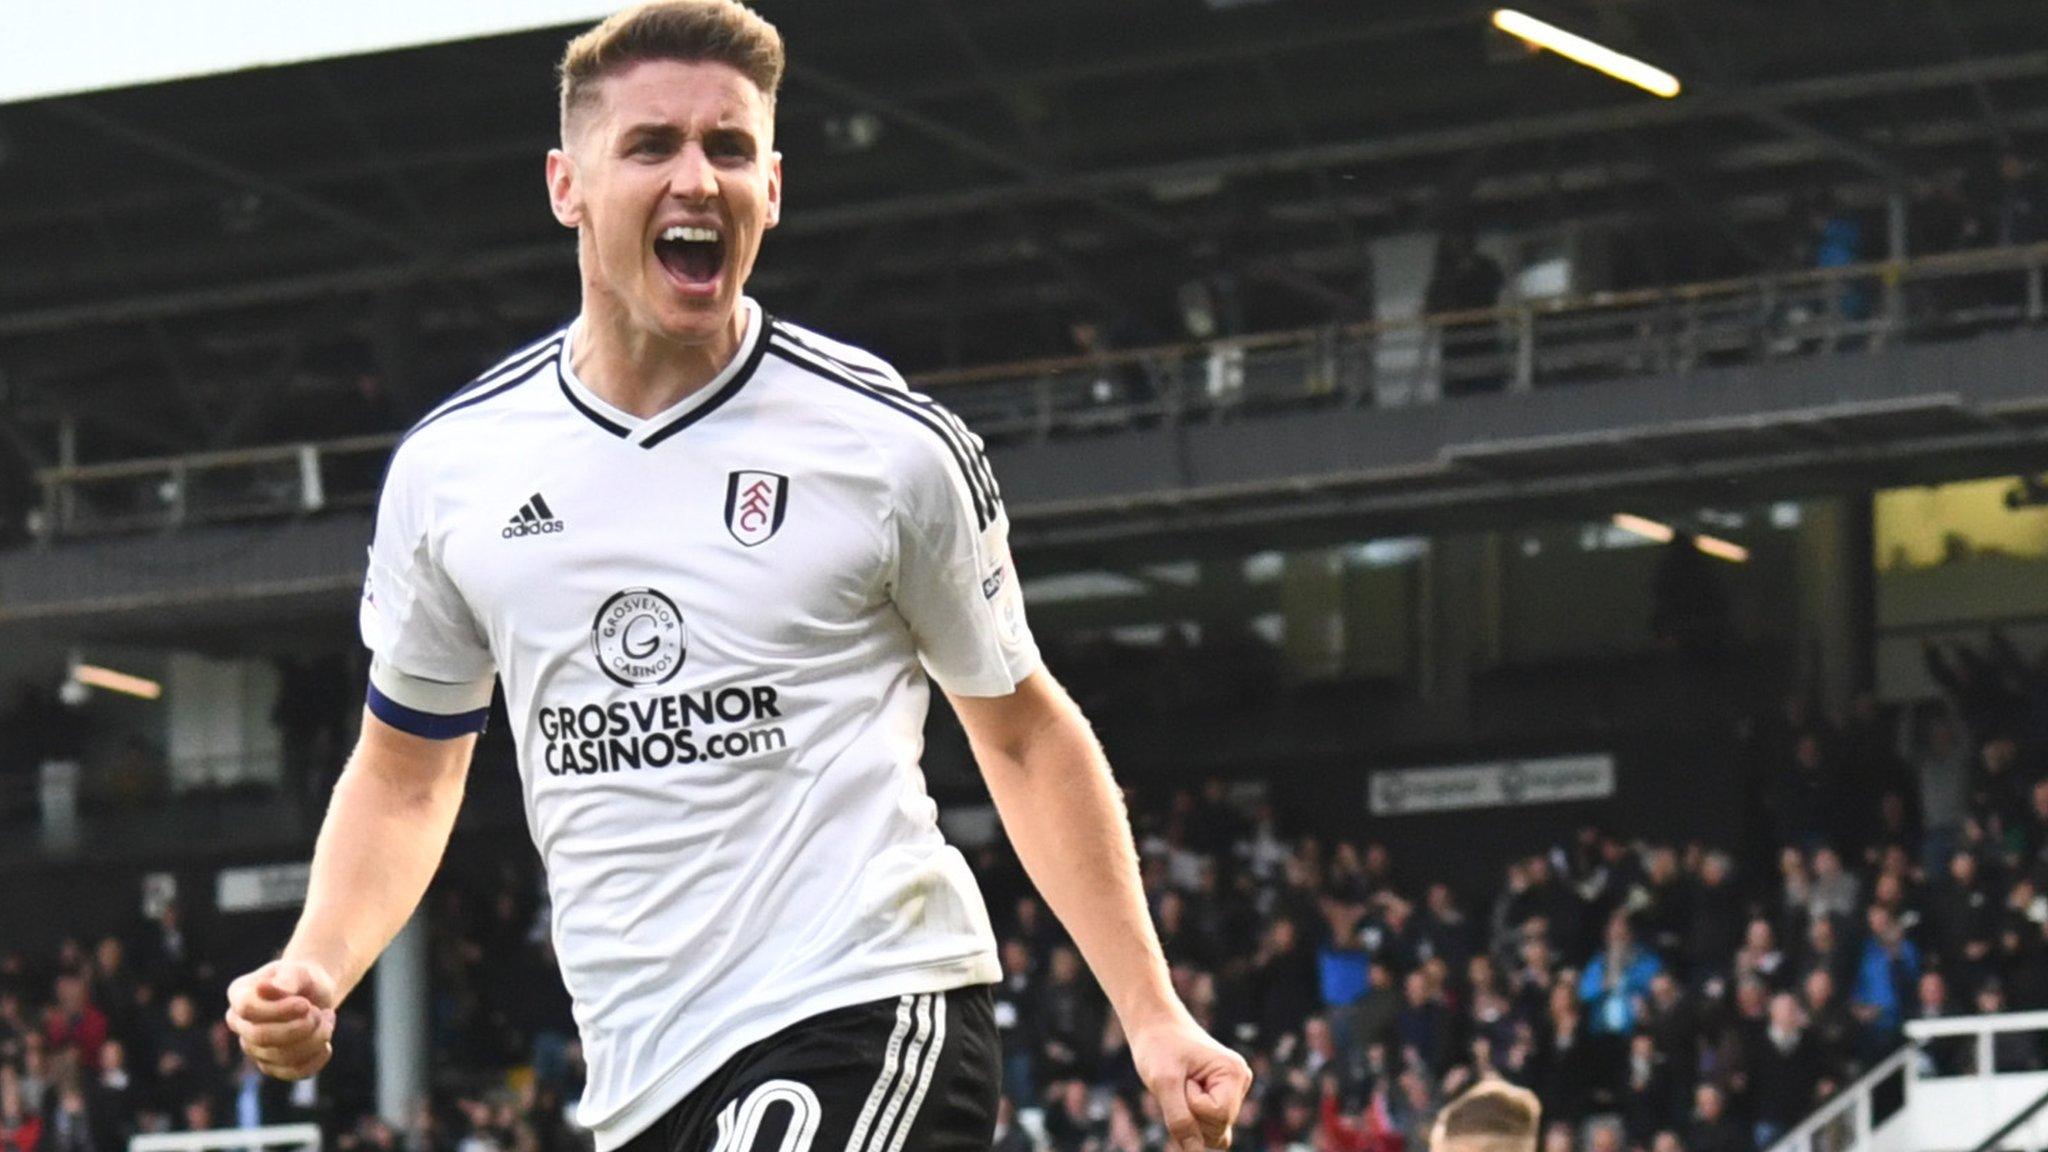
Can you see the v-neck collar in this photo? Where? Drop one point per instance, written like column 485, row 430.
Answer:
column 649, row 431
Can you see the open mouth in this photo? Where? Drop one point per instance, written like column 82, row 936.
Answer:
column 692, row 255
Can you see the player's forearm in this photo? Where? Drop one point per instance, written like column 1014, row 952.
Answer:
column 387, row 826
column 1066, row 820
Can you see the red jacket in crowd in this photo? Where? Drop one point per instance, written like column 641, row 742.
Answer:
column 84, row 1030
column 1374, row 1132
column 22, row 1135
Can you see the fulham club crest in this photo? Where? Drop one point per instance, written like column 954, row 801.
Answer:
column 754, row 504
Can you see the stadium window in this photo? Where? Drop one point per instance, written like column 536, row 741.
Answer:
column 1608, row 537
column 1264, row 567
column 1181, row 573
column 1391, row 553
column 1949, row 523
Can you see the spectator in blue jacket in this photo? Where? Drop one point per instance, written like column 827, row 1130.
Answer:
column 1887, row 975
column 1618, row 979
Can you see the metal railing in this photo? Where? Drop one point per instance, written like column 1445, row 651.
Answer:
column 211, row 487
column 1848, row 1121
column 1909, row 1103
column 1515, row 348
column 290, row 1136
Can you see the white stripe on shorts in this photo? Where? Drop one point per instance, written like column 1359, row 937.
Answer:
column 912, row 1056
column 924, row 1076
column 893, row 1054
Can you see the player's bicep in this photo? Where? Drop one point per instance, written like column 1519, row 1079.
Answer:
column 1002, row 728
column 402, row 757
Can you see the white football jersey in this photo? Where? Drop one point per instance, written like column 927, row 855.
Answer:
column 709, row 626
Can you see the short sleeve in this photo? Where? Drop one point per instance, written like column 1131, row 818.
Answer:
column 954, row 581
column 431, row 671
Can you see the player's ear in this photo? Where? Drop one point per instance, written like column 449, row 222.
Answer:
column 565, row 193
column 774, row 188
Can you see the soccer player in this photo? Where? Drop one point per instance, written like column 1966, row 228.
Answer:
column 712, row 558
column 1493, row 1116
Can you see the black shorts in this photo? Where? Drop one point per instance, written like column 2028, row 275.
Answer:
column 907, row 1074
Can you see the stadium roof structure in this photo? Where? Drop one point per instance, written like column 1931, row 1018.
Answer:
column 225, row 260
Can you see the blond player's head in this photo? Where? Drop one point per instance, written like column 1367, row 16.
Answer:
column 667, row 167
column 1494, row 1116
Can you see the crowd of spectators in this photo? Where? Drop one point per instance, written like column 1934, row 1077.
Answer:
column 124, row 1037
column 104, row 1042
column 1659, row 996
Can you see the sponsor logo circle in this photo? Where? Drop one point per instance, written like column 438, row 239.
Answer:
column 638, row 637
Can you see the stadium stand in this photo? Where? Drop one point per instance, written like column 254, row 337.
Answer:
column 1698, row 993
column 1694, row 995
column 1713, row 992
column 1329, row 456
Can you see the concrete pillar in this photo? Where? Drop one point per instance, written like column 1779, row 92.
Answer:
column 1489, row 639
column 1379, row 621
column 1896, row 220
column 65, row 509
column 1896, row 249
column 1312, row 610
column 1224, row 600
column 1835, row 598
column 1458, row 619
column 402, row 1022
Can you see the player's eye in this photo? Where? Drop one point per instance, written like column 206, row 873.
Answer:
column 728, row 148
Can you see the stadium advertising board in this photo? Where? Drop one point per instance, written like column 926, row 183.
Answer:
column 1491, row 784
column 264, row 888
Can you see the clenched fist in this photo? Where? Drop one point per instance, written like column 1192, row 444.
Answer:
column 284, row 1014
column 1199, row 1083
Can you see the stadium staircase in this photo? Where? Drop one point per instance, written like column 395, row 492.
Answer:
column 1953, row 1087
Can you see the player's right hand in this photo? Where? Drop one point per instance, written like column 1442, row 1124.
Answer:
column 284, row 1014
column 1199, row 1083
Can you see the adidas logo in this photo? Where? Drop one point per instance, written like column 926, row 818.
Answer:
column 534, row 518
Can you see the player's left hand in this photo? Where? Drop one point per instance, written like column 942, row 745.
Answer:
column 1199, row 1083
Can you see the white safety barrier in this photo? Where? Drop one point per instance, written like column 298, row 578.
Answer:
column 1945, row 1091
column 304, row 1137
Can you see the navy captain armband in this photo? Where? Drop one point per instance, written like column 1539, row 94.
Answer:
column 427, row 725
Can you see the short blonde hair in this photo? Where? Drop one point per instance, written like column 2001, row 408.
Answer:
column 1494, row 1116
column 722, row 31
